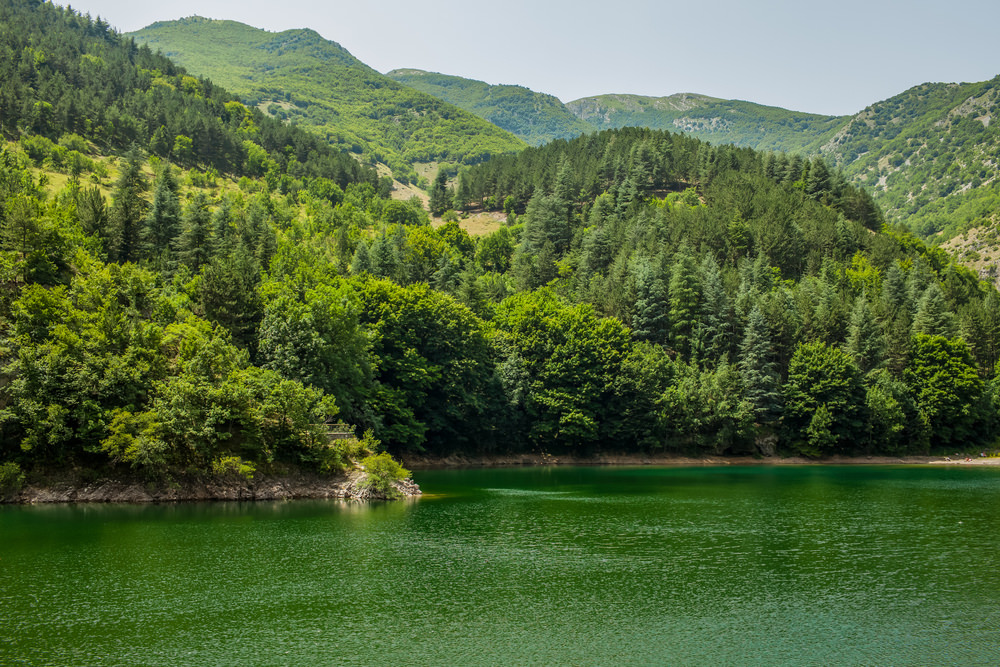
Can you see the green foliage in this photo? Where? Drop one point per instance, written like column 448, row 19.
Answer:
column 824, row 401
column 947, row 390
column 432, row 367
column 706, row 413
column 314, row 335
column 247, row 319
column 895, row 427
column 381, row 472
column 559, row 367
column 11, row 478
column 233, row 467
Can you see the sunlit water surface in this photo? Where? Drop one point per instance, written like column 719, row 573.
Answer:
column 711, row 566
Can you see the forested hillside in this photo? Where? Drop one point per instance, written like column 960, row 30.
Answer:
column 301, row 78
column 128, row 323
column 929, row 155
column 534, row 117
column 64, row 74
column 650, row 292
column 739, row 293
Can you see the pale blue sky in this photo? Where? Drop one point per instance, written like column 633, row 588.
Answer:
column 823, row 57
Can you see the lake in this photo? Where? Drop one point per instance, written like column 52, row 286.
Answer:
column 788, row 565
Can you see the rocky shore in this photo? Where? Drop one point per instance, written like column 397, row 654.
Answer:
column 70, row 489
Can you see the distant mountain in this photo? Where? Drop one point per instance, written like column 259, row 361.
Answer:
column 307, row 80
column 708, row 118
column 536, row 118
column 930, row 155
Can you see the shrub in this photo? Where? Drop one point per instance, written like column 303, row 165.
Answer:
column 382, row 471
column 11, row 478
column 341, row 453
column 233, row 466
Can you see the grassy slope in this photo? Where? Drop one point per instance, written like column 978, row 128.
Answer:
column 536, row 118
column 316, row 83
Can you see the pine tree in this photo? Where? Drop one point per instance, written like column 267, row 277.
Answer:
column 894, row 292
column 230, row 297
column 866, row 342
column 193, row 243
column 715, row 316
column 92, row 210
column 439, row 201
column 933, row 317
column 760, row 378
column 223, row 232
column 128, row 209
column 362, row 261
column 685, row 295
column 162, row 225
column 384, row 260
column 818, row 183
column 650, row 320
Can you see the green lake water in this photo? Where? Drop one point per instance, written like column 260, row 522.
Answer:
column 543, row 566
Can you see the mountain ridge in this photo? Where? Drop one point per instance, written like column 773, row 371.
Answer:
column 535, row 117
column 927, row 154
column 305, row 79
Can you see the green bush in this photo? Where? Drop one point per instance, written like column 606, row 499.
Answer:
column 233, row 466
column 382, row 471
column 11, row 478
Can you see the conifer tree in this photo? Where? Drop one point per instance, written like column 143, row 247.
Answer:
column 128, row 209
column 761, row 384
column 865, row 338
column 223, row 232
column 92, row 210
column 439, row 200
column 933, row 316
column 384, row 260
column 362, row 261
column 193, row 243
column 818, row 183
column 230, row 297
column 684, row 293
column 162, row 224
column 715, row 317
column 650, row 320
column 894, row 292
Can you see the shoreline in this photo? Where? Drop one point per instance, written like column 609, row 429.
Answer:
column 460, row 461
column 69, row 488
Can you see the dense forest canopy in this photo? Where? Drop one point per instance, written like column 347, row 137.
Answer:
column 648, row 292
